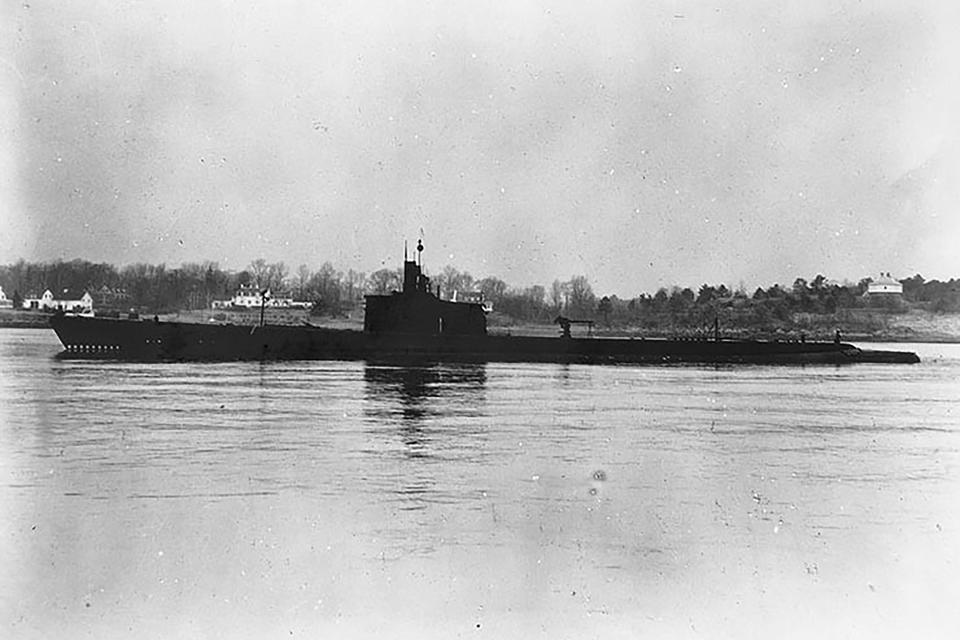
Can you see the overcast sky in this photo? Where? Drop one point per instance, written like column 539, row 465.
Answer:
column 640, row 143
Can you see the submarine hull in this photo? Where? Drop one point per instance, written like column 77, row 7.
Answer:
column 151, row 340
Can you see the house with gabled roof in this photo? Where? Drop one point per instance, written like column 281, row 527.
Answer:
column 39, row 303
column 71, row 301
column 110, row 298
column 885, row 285
column 68, row 301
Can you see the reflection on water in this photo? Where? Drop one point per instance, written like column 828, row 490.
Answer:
column 332, row 499
column 410, row 391
column 436, row 414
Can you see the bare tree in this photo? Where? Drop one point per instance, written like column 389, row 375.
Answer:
column 276, row 276
column 582, row 301
column 383, row 281
column 303, row 277
column 493, row 289
column 259, row 269
column 353, row 285
column 557, row 295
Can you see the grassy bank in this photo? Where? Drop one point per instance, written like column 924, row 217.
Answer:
column 10, row 319
column 855, row 325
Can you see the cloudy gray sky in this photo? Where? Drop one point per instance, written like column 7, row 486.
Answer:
column 639, row 143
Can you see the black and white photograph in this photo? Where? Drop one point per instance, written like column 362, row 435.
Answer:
column 432, row 319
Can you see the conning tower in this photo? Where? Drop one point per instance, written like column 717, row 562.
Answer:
column 413, row 278
column 415, row 308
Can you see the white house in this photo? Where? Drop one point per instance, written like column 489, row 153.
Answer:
column 5, row 302
column 474, row 297
column 885, row 285
column 68, row 301
column 249, row 297
column 40, row 303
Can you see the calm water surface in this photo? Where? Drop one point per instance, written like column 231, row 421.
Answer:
column 340, row 500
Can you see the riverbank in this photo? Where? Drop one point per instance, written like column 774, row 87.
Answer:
column 855, row 325
column 10, row 319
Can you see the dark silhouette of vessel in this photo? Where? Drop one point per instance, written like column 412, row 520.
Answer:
column 415, row 326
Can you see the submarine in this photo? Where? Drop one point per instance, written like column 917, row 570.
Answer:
column 414, row 326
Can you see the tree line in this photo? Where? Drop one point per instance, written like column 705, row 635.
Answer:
column 158, row 289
